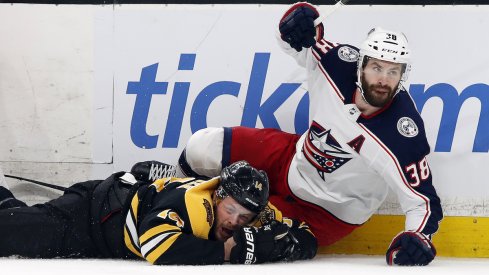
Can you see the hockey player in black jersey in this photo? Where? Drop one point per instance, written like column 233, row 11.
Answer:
column 166, row 221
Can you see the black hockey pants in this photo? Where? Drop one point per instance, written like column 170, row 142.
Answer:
column 85, row 222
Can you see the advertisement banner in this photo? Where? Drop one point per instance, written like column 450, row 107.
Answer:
column 168, row 71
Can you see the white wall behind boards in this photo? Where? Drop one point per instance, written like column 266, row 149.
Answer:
column 88, row 90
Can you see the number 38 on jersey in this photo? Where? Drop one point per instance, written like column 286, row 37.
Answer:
column 418, row 172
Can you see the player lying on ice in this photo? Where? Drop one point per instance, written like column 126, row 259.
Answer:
column 168, row 221
column 365, row 137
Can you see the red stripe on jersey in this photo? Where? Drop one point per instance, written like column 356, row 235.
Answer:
column 401, row 174
column 315, row 54
column 321, row 47
column 331, row 82
column 331, row 44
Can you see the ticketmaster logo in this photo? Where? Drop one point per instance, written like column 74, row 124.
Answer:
column 256, row 107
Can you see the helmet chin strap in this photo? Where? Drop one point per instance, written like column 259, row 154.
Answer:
column 359, row 84
column 362, row 93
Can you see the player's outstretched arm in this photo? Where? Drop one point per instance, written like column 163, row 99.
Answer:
column 297, row 31
column 410, row 248
column 297, row 26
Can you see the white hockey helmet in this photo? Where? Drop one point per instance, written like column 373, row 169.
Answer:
column 388, row 46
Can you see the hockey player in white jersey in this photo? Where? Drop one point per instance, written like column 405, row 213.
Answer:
column 365, row 136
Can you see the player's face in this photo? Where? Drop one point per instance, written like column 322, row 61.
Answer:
column 380, row 80
column 230, row 216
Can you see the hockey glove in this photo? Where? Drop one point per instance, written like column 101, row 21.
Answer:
column 149, row 171
column 410, row 248
column 255, row 245
column 297, row 26
column 303, row 243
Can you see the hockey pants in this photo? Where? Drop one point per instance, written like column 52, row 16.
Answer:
column 85, row 222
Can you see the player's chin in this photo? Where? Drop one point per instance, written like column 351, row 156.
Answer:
column 379, row 99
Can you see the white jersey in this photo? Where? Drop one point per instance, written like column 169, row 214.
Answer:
column 346, row 162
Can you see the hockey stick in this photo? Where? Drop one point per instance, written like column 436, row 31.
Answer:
column 49, row 185
column 327, row 12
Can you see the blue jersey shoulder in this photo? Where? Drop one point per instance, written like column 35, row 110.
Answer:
column 340, row 63
column 401, row 128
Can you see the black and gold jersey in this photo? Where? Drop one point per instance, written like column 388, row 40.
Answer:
column 170, row 222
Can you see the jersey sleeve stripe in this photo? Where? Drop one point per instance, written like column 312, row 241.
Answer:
column 158, row 246
column 151, row 245
column 316, row 54
column 151, row 233
column 331, row 44
column 134, row 205
column 131, row 228
column 401, row 176
column 130, row 244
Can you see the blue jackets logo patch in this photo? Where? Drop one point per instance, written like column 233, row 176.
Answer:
column 407, row 127
column 348, row 54
column 323, row 151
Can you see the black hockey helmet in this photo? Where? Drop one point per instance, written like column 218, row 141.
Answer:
column 247, row 185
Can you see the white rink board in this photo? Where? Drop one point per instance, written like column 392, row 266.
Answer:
column 100, row 49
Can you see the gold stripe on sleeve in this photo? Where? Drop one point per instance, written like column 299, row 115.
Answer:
column 135, row 205
column 161, row 249
column 157, row 230
column 129, row 245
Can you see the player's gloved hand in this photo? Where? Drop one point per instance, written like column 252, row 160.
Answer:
column 255, row 245
column 149, row 171
column 303, row 244
column 410, row 248
column 297, row 26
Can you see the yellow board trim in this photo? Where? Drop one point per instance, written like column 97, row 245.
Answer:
column 466, row 237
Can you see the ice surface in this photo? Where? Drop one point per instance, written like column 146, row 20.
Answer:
column 322, row 264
